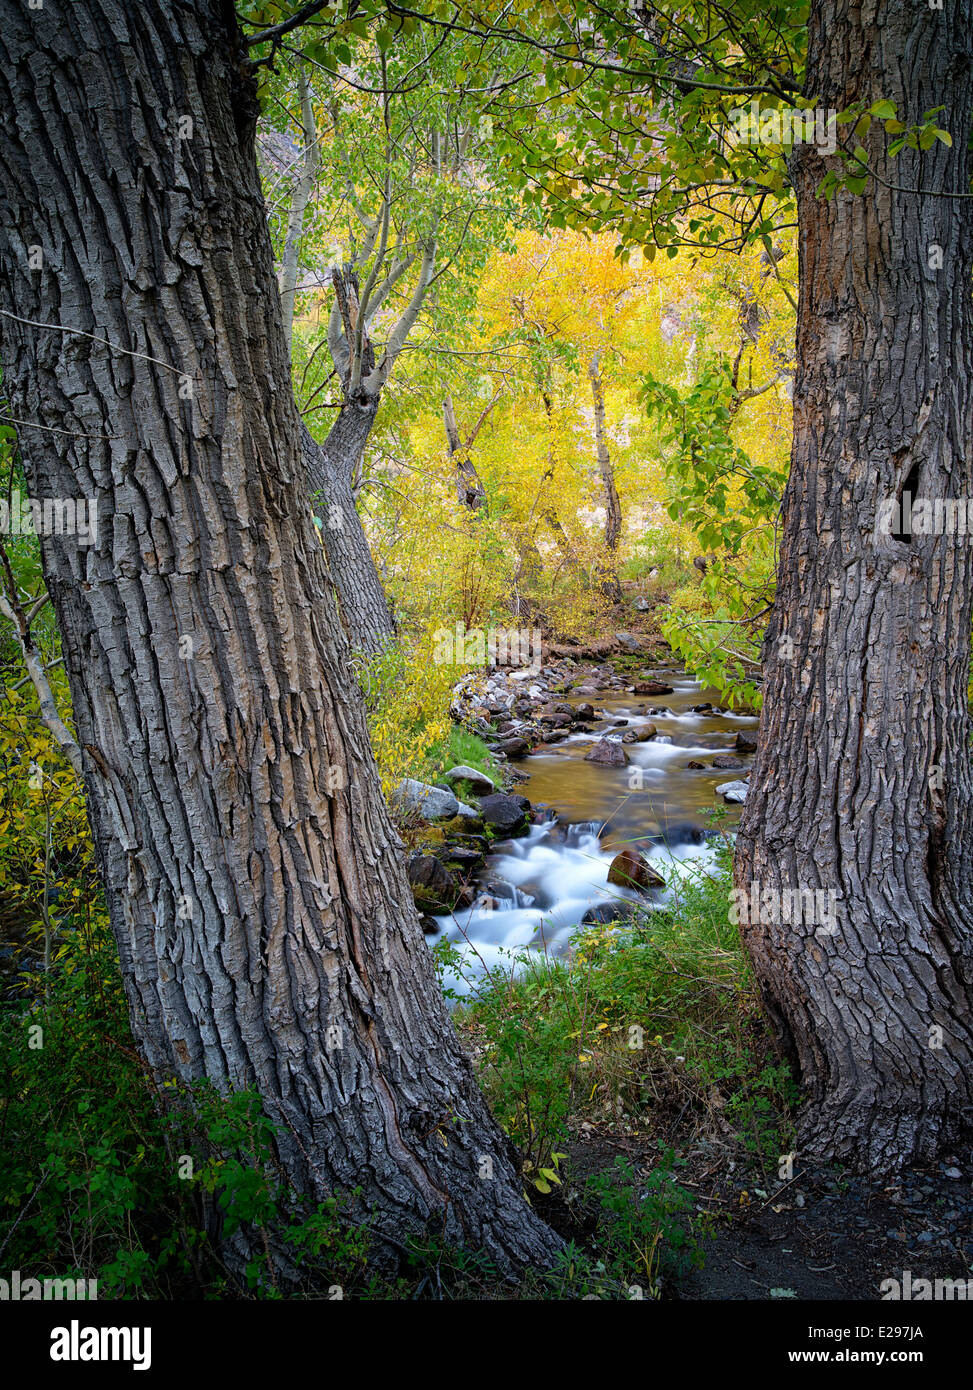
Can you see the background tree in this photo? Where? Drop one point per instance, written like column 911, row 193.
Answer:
column 407, row 204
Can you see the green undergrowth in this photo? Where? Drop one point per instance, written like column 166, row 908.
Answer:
column 644, row 1020
column 103, row 1177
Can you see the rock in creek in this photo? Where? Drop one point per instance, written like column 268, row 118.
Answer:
column 735, row 792
column 434, row 887
column 609, row 752
column 513, row 748
column 505, row 813
column 632, row 870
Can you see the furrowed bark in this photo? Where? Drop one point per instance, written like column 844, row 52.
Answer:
column 862, row 784
column 266, row 930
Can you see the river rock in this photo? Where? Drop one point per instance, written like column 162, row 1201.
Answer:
column 584, row 713
column 652, row 688
column 604, row 913
column 469, row 818
column 735, row 792
column 431, row 803
column 505, row 813
column 513, row 748
column 609, row 752
column 632, row 870
column 480, row 784
column 629, row 641
column 648, row 732
column 726, row 760
column 696, row 767
column 435, row 888
column 746, row 741
column 462, row 857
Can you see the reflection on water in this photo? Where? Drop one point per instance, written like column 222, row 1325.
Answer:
column 544, row 884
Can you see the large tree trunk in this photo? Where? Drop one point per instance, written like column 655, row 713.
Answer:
column 862, row 784
column 256, row 887
column 330, row 470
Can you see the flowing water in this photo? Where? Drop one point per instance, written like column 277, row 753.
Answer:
column 543, row 884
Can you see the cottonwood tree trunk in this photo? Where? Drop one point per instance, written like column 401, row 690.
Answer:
column 613, row 507
column 266, row 930
column 862, row 783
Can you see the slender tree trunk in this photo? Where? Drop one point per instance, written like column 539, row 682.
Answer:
column 330, row 470
column 470, row 492
column 613, row 507
column 266, row 930
column 862, row 785
column 303, row 188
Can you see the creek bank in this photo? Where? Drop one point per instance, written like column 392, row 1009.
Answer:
column 558, row 711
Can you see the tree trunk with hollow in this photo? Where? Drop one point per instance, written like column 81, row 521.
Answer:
column 256, row 887
column 862, row 785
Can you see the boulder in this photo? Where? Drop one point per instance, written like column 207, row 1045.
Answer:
column 479, row 783
column 648, row 732
column 652, row 688
column 726, row 760
column 609, row 752
column 462, row 857
column 603, row 914
column 632, row 870
column 584, row 713
column 435, row 888
column 505, row 813
column 513, row 748
column 746, row 741
column 629, row 641
column 696, row 767
column 431, row 803
column 734, row 792
column 641, row 605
